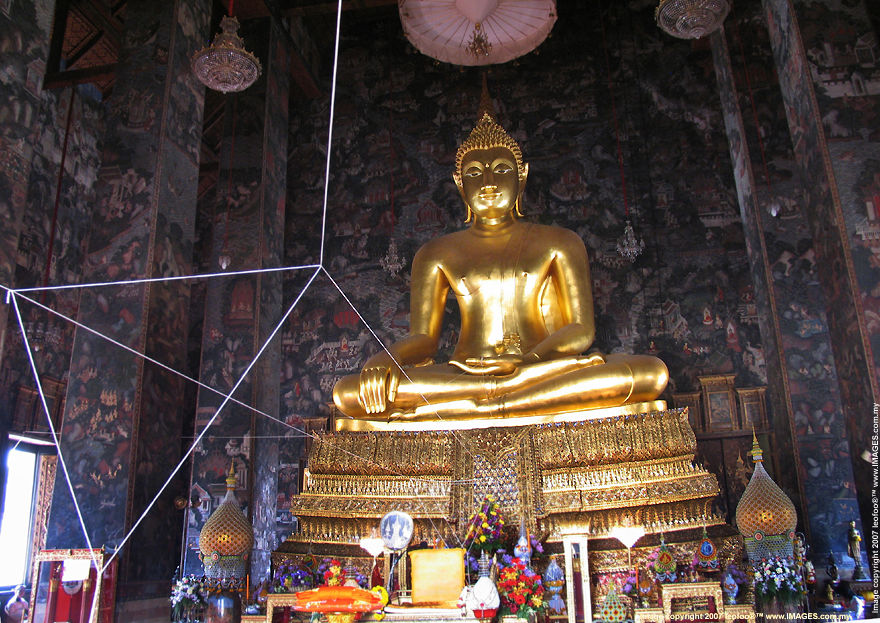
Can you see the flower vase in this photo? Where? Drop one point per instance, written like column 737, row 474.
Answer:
column 554, row 580
column 730, row 589
column 223, row 606
column 531, row 617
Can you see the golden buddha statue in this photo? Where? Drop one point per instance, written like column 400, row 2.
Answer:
column 526, row 305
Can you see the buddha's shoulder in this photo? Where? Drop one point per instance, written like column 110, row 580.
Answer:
column 441, row 244
column 555, row 233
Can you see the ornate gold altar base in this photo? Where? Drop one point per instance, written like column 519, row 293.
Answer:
column 567, row 476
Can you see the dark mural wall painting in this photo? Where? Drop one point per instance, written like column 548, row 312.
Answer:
column 762, row 279
column 804, row 54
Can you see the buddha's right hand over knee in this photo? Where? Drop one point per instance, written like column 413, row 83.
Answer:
column 379, row 380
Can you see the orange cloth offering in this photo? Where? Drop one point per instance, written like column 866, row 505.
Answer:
column 338, row 599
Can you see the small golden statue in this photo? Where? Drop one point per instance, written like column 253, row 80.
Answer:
column 526, row 307
column 854, row 549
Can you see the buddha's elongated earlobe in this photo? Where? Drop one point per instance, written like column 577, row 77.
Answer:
column 522, row 184
column 470, row 214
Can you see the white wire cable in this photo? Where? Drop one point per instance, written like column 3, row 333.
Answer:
column 330, row 131
column 143, row 356
column 302, row 432
column 387, row 351
column 99, row 284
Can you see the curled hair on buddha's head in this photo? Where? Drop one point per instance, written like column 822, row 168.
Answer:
column 486, row 135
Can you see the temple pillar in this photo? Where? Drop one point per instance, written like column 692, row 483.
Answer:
column 25, row 28
column 766, row 297
column 829, row 177
column 123, row 416
column 243, row 310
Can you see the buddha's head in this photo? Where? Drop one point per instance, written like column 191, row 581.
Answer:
column 489, row 156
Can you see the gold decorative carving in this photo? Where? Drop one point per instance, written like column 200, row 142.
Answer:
column 45, row 490
column 276, row 601
column 691, row 590
column 494, row 443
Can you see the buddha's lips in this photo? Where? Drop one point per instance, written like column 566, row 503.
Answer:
column 489, row 196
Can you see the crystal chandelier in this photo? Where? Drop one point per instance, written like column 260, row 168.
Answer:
column 225, row 65
column 691, row 19
column 628, row 246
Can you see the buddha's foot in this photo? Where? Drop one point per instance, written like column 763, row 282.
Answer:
column 452, row 410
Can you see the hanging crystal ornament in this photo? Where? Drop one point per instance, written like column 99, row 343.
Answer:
column 225, row 65
column 628, row 245
column 691, row 19
column 391, row 263
column 479, row 45
column 224, row 260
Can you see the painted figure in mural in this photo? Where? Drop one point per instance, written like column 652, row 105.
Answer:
column 526, row 307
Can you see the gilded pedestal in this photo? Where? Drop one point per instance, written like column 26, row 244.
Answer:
column 564, row 475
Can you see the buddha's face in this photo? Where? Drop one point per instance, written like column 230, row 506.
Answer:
column 490, row 182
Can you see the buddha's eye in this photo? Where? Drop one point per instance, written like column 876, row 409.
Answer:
column 473, row 172
column 503, row 168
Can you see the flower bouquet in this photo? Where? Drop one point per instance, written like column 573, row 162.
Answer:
column 484, row 528
column 778, row 578
column 290, row 578
column 188, row 598
column 331, row 572
column 521, row 590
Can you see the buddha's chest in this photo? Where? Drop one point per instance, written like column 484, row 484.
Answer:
column 503, row 277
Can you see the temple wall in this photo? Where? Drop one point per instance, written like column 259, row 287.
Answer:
column 695, row 297
column 123, row 418
column 51, row 250
column 796, row 32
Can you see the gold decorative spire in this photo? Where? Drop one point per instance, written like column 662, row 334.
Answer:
column 486, row 106
column 757, row 453
column 227, row 537
column 764, row 509
column 231, row 480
